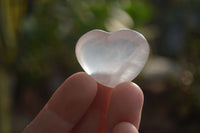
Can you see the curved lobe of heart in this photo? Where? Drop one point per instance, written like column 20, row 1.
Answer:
column 112, row 58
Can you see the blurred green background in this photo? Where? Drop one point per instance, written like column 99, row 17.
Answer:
column 37, row 42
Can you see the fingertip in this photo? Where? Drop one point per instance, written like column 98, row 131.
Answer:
column 81, row 79
column 125, row 127
column 126, row 105
column 73, row 97
column 130, row 88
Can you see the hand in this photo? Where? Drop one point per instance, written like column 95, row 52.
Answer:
column 80, row 105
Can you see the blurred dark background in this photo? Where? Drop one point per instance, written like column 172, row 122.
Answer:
column 37, row 42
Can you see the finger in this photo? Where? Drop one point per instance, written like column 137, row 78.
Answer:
column 125, row 127
column 126, row 105
column 66, row 107
column 94, row 120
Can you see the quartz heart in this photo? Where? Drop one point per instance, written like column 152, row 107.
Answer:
column 112, row 57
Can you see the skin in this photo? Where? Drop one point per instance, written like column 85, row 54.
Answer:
column 81, row 105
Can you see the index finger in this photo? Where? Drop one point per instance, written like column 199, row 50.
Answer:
column 66, row 107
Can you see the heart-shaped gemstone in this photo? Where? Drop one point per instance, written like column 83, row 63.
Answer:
column 112, row 58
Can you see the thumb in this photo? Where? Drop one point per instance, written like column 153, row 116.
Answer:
column 125, row 127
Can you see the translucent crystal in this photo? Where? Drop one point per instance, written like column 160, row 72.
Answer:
column 112, row 58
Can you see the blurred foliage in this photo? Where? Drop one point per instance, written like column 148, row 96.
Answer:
column 37, row 41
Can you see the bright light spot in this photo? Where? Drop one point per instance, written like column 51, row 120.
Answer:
column 118, row 19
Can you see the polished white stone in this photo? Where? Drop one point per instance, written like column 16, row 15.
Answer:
column 112, row 58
